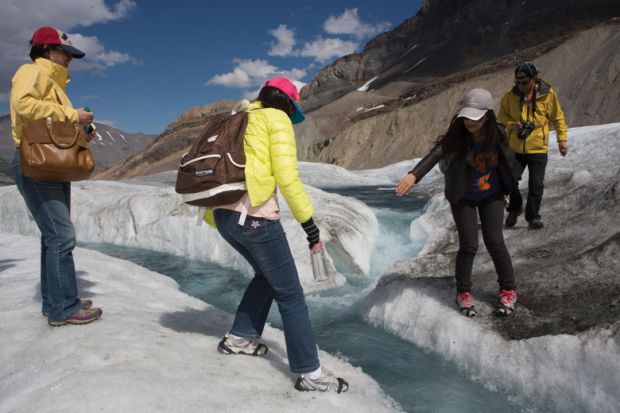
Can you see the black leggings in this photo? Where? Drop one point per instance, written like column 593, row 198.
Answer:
column 491, row 212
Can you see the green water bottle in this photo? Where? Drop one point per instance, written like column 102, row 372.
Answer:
column 88, row 129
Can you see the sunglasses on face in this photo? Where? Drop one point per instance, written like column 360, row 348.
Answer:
column 522, row 82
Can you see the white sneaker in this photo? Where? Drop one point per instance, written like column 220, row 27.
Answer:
column 230, row 345
column 327, row 382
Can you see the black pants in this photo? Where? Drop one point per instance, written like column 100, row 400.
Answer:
column 491, row 218
column 536, row 164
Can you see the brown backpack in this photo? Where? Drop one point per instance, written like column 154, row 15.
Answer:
column 212, row 173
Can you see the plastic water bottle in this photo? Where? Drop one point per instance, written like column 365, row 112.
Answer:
column 318, row 261
column 88, row 129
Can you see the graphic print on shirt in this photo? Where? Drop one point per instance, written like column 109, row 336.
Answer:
column 482, row 166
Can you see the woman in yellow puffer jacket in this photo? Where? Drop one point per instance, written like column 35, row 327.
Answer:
column 38, row 93
column 271, row 162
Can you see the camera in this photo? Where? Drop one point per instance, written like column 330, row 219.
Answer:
column 526, row 128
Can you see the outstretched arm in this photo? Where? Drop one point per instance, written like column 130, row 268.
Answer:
column 405, row 184
column 416, row 174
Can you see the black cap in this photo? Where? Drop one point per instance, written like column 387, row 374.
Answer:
column 527, row 68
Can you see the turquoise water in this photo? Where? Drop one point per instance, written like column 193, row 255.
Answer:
column 419, row 381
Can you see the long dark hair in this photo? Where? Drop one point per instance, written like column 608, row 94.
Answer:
column 272, row 97
column 457, row 141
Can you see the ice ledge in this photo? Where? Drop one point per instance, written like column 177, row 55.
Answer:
column 561, row 347
column 154, row 217
column 572, row 373
column 154, row 350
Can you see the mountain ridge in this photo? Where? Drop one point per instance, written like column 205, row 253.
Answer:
column 397, row 117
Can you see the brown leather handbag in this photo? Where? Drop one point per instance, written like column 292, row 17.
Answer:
column 54, row 151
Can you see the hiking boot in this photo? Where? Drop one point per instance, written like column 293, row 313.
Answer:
column 86, row 304
column 81, row 317
column 466, row 304
column 536, row 223
column 507, row 301
column 230, row 345
column 327, row 382
column 511, row 219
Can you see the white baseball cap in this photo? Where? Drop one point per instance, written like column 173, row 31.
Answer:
column 475, row 104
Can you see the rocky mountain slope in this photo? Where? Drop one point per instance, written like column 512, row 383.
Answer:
column 391, row 101
column 371, row 129
column 165, row 152
column 449, row 36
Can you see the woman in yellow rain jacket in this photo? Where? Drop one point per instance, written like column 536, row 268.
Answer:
column 271, row 162
column 527, row 110
column 38, row 92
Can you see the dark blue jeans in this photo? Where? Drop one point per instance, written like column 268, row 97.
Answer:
column 536, row 164
column 263, row 244
column 50, row 205
column 491, row 221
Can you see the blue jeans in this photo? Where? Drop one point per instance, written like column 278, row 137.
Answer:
column 263, row 244
column 50, row 203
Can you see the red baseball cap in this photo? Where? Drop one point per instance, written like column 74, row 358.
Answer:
column 49, row 35
column 290, row 90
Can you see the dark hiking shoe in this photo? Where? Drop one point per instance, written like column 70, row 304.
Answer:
column 79, row 318
column 507, row 301
column 511, row 219
column 246, row 346
column 327, row 382
column 86, row 304
column 465, row 302
column 536, row 223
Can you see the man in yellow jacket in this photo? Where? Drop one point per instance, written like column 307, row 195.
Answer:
column 527, row 110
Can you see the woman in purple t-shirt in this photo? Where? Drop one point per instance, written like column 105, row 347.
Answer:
column 476, row 161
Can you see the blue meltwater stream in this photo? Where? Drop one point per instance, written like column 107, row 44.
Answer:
column 418, row 380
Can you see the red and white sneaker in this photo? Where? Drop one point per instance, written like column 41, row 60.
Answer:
column 466, row 304
column 507, row 301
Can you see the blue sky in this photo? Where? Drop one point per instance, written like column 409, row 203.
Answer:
column 148, row 61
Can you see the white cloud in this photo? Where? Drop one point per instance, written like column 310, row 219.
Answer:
column 350, row 23
column 257, row 69
column 251, row 94
column 249, row 73
column 237, row 78
column 285, row 41
column 325, row 49
column 19, row 19
column 97, row 57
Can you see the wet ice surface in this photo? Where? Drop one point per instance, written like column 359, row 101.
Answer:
column 154, row 349
column 567, row 372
